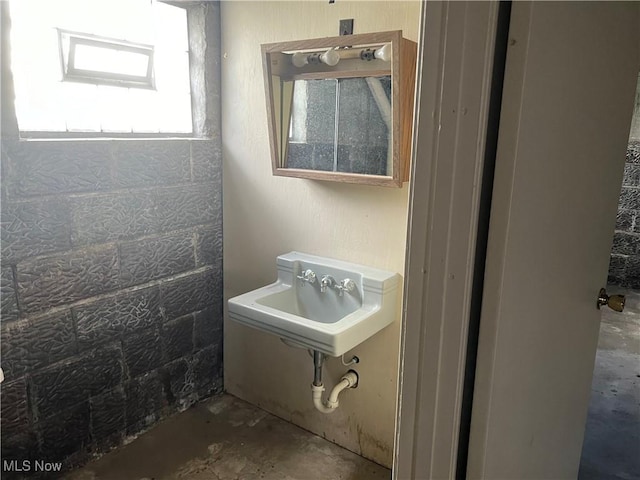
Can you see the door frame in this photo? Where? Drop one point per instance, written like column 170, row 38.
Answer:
column 456, row 55
column 497, row 450
column 457, row 45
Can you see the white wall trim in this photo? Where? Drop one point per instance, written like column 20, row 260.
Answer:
column 457, row 50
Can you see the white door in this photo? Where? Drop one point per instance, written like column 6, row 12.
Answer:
column 568, row 96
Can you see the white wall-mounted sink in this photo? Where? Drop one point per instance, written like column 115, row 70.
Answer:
column 331, row 320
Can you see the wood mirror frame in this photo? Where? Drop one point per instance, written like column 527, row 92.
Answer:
column 277, row 62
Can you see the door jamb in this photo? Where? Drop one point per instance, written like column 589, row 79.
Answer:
column 457, row 44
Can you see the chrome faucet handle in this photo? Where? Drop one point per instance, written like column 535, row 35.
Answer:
column 308, row 276
column 327, row 281
column 346, row 285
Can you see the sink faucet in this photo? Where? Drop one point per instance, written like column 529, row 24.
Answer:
column 327, row 281
column 308, row 276
column 346, row 285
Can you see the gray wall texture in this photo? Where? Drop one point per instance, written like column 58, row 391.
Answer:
column 624, row 267
column 111, row 286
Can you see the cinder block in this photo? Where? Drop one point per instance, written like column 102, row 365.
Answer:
column 151, row 162
column 22, row 446
column 631, row 175
column 15, row 407
column 110, row 318
column 300, row 155
column 150, row 259
column 633, row 152
column 142, row 351
column 629, row 198
column 13, row 349
column 177, row 336
column 9, row 301
column 206, row 161
column 65, row 433
column 192, row 292
column 52, row 281
column 28, row 345
column 104, row 218
column 108, row 414
column 145, row 401
column 34, row 228
column 207, row 370
column 49, row 168
column 47, row 339
column 209, row 246
column 626, row 243
column 322, row 156
column 181, row 383
column 617, row 269
column 208, row 328
column 624, row 220
column 632, row 277
column 183, row 207
column 69, row 383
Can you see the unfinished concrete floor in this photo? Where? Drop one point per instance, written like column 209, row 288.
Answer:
column 227, row 438
column 611, row 447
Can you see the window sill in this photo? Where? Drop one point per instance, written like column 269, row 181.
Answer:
column 32, row 135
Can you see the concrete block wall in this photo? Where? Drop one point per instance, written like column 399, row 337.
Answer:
column 111, row 289
column 111, row 284
column 624, row 266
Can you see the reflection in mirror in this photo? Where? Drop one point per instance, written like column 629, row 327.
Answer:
column 313, row 123
column 364, row 126
column 341, row 125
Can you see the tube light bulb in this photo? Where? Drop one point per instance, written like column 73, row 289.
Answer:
column 383, row 53
column 330, row 57
column 299, row 59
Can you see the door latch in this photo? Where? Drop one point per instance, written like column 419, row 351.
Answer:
column 614, row 302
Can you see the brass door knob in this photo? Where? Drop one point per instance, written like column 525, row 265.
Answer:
column 614, row 302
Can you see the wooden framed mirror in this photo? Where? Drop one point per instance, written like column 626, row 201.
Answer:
column 341, row 108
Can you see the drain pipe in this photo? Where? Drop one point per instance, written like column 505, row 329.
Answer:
column 318, row 360
column 348, row 380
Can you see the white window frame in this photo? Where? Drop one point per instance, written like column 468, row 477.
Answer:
column 72, row 74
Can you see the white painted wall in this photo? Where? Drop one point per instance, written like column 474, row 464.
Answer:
column 265, row 216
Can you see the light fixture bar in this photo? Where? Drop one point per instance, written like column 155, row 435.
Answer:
column 332, row 56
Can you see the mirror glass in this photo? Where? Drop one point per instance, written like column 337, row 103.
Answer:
column 337, row 125
column 364, row 125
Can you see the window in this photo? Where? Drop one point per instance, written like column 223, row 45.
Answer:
column 101, row 66
column 92, row 59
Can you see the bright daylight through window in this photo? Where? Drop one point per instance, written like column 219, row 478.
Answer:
column 100, row 66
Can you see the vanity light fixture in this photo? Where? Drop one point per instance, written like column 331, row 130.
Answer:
column 331, row 57
column 300, row 59
column 383, row 53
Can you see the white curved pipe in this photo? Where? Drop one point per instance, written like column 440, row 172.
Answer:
column 316, row 393
column 348, row 380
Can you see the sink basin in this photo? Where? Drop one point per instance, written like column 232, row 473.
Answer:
column 331, row 320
